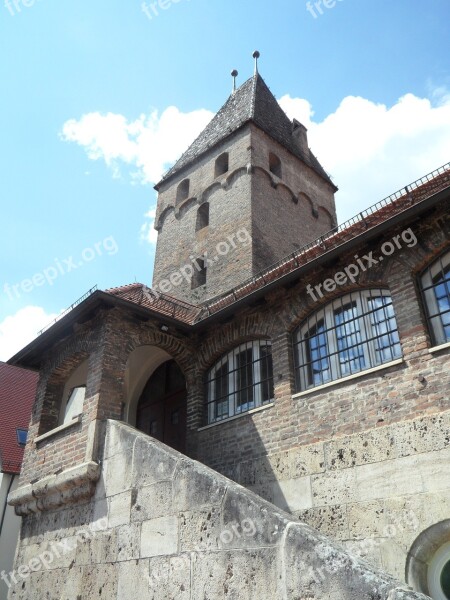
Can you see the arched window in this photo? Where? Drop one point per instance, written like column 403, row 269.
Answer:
column 199, row 275
column 275, row 165
column 435, row 286
column 183, row 191
column 202, row 217
column 74, row 394
column 351, row 334
column 240, row 381
column 221, row 164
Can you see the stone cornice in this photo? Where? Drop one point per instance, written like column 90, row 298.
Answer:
column 69, row 487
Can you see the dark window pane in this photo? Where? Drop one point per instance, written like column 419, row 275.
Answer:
column 317, row 355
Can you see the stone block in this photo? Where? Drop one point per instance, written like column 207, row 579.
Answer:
column 119, row 509
column 293, row 494
column 248, row 522
column 100, row 581
column 195, row 487
column 246, row 575
column 334, row 487
column 152, row 462
column 329, row 520
column 159, row 537
column 128, row 542
column 133, row 580
column 306, row 460
column 201, row 530
column 152, row 501
column 170, row 577
column 117, row 474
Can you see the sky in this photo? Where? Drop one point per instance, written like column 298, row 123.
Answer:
column 98, row 99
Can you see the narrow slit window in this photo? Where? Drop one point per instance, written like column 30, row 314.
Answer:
column 199, row 275
column 275, row 165
column 222, row 164
column 202, row 217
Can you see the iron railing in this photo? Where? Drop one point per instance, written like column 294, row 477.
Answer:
column 429, row 184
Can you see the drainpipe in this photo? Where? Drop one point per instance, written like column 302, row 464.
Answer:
column 6, row 504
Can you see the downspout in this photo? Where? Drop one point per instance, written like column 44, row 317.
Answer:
column 6, row 504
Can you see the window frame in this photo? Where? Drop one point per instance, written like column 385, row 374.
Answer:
column 233, row 375
column 433, row 314
column 64, row 419
column 365, row 339
column 20, row 430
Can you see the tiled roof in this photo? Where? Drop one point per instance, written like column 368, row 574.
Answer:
column 252, row 101
column 17, row 391
column 165, row 305
column 381, row 212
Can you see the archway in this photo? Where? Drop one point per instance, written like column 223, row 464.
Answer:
column 161, row 409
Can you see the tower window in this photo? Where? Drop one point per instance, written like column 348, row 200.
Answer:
column 183, row 191
column 199, row 275
column 221, row 164
column 202, row 217
column 275, row 165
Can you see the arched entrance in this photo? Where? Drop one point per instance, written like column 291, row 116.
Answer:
column 161, row 410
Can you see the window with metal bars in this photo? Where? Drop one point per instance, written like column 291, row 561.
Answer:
column 435, row 286
column 351, row 334
column 240, row 381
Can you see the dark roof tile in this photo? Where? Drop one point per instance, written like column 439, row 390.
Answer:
column 252, row 101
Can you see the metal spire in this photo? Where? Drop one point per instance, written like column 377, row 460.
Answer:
column 234, row 74
column 256, row 55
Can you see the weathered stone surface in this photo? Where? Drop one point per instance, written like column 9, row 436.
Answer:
column 151, row 463
column 293, row 494
column 133, row 580
column 119, row 509
column 153, row 501
column 170, row 577
column 329, row 520
column 307, row 460
column 244, row 575
column 159, row 537
column 198, row 535
column 200, row 530
column 196, row 486
column 128, row 542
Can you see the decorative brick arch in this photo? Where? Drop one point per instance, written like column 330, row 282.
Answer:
column 58, row 369
column 232, row 335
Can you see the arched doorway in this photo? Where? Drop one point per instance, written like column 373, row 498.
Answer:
column 161, row 410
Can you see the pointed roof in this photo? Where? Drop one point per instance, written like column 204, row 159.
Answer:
column 252, row 101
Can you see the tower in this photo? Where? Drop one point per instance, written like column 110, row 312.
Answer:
column 246, row 193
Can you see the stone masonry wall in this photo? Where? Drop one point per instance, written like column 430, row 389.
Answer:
column 163, row 526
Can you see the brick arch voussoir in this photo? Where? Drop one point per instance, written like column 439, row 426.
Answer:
column 233, row 334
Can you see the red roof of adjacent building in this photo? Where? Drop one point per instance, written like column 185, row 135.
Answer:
column 17, row 392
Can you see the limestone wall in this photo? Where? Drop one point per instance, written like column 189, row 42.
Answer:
column 163, row 526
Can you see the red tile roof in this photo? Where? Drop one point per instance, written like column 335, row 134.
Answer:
column 17, row 392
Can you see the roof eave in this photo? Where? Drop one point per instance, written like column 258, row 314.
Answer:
column 29, row 357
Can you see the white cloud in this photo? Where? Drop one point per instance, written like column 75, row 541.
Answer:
column 373, row 150
column 148, row 232
column 148, row 145
column 370, row 149
column 18, row 330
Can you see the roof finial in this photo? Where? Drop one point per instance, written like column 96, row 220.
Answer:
column 256, row 55
column 234, row 74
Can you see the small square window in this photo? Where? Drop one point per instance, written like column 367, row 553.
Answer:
column 22, row 435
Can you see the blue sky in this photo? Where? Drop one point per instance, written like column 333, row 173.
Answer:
column 98, row 99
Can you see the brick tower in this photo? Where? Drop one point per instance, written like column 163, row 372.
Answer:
column 246, row 193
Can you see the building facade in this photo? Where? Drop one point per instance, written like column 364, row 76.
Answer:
column 17, row 391
column 283, row 372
